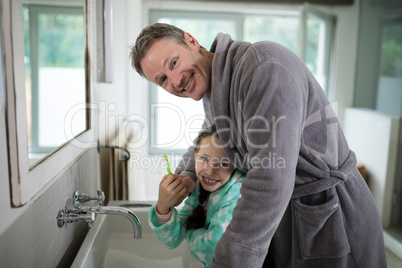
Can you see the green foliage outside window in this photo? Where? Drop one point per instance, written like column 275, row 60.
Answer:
column 391, row 54
column 60, row 40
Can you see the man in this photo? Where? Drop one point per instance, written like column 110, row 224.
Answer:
column 304, row 203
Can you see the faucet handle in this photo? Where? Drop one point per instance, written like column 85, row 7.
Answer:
column 83, row 198
column 89, row 217
column 73, row 216
column 101, row 197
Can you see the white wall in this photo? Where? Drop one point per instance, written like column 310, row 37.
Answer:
column 374, row 136
column 125, row 96
column 7, row 215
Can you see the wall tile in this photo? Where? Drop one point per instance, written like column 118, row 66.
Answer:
column 34, row 240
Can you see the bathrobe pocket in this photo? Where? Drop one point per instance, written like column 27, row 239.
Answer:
column 321, row 230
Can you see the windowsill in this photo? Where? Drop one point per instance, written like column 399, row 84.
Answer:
column 393, row 242
column 34, row 158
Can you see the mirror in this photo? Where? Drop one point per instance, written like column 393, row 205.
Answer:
column 30, row 175
column 55, row 76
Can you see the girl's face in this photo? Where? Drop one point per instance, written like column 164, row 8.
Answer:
column 212, row 167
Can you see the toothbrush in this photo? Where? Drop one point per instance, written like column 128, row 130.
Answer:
column 168, row 166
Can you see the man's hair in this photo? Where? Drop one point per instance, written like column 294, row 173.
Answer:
column 146, row 38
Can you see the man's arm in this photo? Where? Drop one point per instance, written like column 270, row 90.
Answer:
column 267, row 190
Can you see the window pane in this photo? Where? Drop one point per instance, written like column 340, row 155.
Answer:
column 203, row 30
column 389, row 91
column 28, row 80
column 391, row 50
column 178, row 120
column 61, row 76
column 315, row 57
column 54, row 40
column 281, row 29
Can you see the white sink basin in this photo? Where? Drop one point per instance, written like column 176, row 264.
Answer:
column 110, row 243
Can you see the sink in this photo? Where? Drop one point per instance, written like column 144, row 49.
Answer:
column 132, row 205
column 110, row 243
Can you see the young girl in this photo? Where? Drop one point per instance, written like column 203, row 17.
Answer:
column 208, row 211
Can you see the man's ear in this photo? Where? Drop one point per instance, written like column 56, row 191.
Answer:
column 191, row 41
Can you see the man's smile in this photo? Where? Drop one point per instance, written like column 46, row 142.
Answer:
column 188, row 84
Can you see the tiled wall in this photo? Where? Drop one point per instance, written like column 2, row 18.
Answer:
column 34, row 240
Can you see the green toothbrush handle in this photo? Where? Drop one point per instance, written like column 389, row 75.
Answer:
column 168, row 166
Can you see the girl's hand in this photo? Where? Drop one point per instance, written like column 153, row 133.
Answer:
column 172, row 190
column 190, row 184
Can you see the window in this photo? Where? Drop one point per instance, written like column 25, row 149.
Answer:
column 184, row 117
column 389, row 100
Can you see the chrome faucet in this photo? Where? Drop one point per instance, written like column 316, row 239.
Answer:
column 73, row 212
column 116, row 211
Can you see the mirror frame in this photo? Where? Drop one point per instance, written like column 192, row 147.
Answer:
column 26, row 182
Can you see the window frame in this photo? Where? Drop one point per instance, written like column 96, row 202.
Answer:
column 329, row 20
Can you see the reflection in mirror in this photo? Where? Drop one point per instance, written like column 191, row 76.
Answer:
column 54, row 41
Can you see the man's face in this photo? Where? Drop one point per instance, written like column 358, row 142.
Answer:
column 181, row 71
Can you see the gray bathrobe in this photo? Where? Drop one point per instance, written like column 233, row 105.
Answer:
column 304, row 203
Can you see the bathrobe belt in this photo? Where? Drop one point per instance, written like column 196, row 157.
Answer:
column 333, row 178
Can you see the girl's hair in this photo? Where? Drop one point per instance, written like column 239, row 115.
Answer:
column 197, row 218
column 206, row 132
